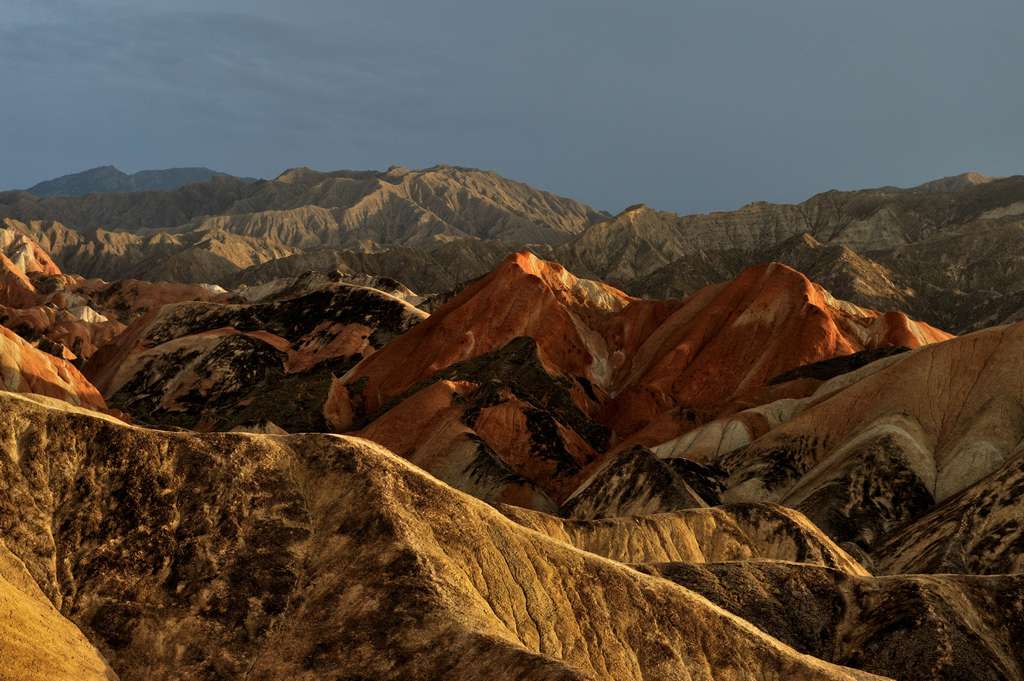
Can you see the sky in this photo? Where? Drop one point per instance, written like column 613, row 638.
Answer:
column 685, row 106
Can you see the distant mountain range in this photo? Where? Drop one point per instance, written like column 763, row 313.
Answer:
column 106, row 179
column 946, row 251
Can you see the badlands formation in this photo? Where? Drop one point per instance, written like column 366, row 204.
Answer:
column 435, row 424
column 946, row 252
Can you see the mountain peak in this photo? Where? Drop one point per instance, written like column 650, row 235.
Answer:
column 297, row 174
column 955, row 182
column 635, row 208
column 566, row 286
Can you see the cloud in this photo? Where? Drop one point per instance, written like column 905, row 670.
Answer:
column 684, row 105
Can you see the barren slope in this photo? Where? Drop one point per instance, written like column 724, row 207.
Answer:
column 909, row 627
column 208, row 232
column 36, row 642
column 310, row 556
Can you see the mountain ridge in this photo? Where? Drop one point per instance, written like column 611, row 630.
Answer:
column 445, row 224
column 109, row 178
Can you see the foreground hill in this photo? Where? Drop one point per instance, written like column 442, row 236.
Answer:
column 36, row 642
column 907, row 627
column 175, row 555
column 317, row 556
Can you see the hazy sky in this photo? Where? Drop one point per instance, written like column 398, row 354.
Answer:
column 687, row 106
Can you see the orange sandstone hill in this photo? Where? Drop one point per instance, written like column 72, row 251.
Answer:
column 25, row 369
column 25, row 253
column 32, row 306
column 16, row 289
column 498, row 392
column 521, row 382
column 727, row 341
column 571, row 320
column 20, row 258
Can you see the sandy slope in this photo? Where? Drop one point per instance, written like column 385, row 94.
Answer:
column 315, row 556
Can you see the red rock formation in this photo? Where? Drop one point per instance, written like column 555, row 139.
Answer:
column 646, row 370
column 582, row 328
column 728, row 340
column 28, row 370
column 75, row 316
column 79, row 331
column 128, row 299
column 16, row 289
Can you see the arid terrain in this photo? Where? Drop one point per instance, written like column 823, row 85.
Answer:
column 437, row 424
